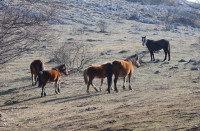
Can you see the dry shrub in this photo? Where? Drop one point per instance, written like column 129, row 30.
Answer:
column 75, row 55
column 102, row 25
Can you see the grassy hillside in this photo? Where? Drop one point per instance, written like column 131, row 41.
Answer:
column 165, row 95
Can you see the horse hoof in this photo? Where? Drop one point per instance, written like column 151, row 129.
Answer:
column 44, row 94
column 124, row 87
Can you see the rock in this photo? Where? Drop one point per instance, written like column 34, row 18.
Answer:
column 123, row 51
column 70, row 39
column 158, row 52
column 174, row 67
column 105, row 52
column 192, row 60
column 195, row 68
column 90, row 109
column 157, row 72
column 44, row 47
column 182, row 60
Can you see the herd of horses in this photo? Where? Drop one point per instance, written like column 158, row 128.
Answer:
column 118, row 68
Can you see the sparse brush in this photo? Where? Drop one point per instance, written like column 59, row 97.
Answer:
column 102, row 25
column 74, row 55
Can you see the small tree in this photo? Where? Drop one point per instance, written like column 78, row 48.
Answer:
column 169, row 18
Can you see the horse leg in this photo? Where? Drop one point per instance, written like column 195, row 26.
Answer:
column 32, row 79
column 89, row 83
column 43, row 89
column 94, row 87
column 151, row 54
column 153, row 57
column 56, row 87
column 124, row 83
column 35, row 77
column 168, row 55
column 101, row 84
column 115, row 83
column 129, row 78
column 165, row 55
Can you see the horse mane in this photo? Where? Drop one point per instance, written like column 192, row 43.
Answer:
column 58, row 68
column 131, row 58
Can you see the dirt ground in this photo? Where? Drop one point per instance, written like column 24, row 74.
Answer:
column 164, row 97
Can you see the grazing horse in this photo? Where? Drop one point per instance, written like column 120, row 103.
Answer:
column 52, row 76
column 95, row 72
column 35, row 67
column 122, row 68
column 157, row 45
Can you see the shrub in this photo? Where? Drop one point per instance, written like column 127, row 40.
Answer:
column 74, row 55
column 102, row 25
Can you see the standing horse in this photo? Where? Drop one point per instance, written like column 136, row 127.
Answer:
column 157, row 45
column 122, row 68
column 95, row 72
column 35, row 67
column 52, row 76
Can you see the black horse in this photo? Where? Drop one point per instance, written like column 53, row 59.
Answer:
column 157, row 45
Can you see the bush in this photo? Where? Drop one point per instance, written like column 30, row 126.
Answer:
column 74, row 55
column 102, row 25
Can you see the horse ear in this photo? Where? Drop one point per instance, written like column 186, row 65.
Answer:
column 136, row 57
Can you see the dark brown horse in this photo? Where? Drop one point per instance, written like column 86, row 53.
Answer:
column 52, row 76
column 35, row 67
column 157, row 45
column 95, row 72
column 122, row 68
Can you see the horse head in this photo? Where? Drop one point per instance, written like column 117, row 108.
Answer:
column 134, row 59
column 137, row 63
column 143, row 40
column 62, row 69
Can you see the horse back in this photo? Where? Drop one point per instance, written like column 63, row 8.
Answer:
column 97, row 71
column 157, row 45
column 122, row 68
column 51, row 75
column 37, row 66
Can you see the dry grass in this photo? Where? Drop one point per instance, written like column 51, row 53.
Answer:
column 168, row 100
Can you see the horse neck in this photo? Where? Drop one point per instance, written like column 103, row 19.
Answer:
column 132, row 62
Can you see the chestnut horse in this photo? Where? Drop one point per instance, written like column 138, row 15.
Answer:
column 157, row 45
column 52, row 76
column 35, row 67
column 122, row 68
column 95, row 72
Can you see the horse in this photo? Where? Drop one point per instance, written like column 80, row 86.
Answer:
column 157, row 45
column 122, row 68
column 53, row 75
column 95, row 72
column 35, row 67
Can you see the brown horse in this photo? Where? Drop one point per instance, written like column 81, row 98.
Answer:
column 35, row 67
column 95, row 72
column 52, row 76
column 157, row 45
column 122, row 68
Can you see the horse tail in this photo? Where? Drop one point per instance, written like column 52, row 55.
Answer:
column 40, row 78
column 109, row 74
column 85, row 76
column 41, row 66
column 169, row 49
